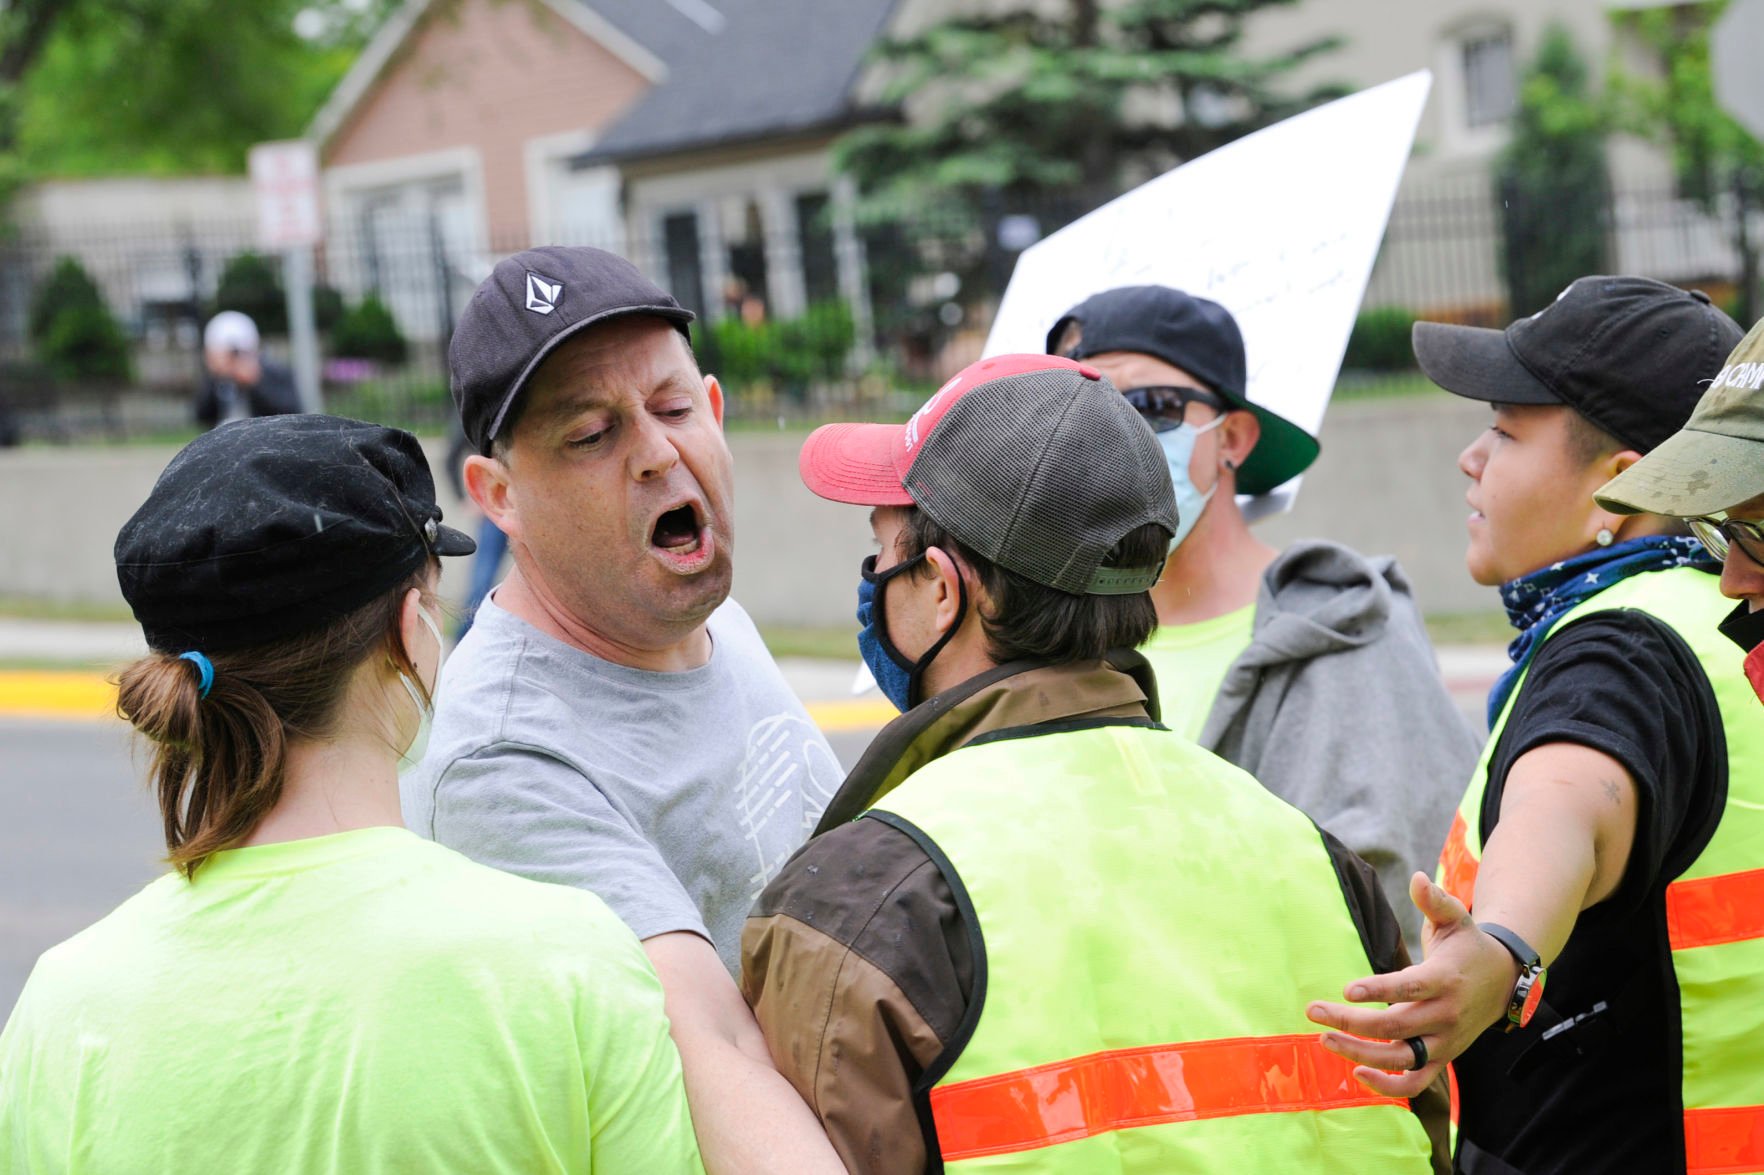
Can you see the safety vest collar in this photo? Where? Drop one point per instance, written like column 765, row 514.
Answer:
column 1012, row 696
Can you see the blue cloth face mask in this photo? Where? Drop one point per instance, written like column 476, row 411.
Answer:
column 896, row 677
column 1178, row 444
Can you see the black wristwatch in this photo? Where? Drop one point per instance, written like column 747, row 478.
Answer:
column 1528, row 990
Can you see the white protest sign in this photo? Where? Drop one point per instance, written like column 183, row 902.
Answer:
column 284, row 178
column 1280, row 227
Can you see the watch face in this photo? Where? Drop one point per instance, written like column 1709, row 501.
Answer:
column 1533, row 997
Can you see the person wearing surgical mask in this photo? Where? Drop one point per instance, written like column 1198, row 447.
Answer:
column 1269, row 658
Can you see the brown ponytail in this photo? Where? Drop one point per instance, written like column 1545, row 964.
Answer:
column 218, row 761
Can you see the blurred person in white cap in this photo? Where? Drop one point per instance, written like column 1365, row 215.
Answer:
column 1711, row 474
column 240, row 383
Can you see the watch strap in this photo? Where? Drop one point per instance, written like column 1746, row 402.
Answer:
column 1516, row 946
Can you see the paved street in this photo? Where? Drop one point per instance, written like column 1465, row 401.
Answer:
column 79, row 832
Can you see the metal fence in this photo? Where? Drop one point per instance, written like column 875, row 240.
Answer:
column 828, row 319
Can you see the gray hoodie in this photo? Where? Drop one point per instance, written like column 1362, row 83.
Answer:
column 1337, row 706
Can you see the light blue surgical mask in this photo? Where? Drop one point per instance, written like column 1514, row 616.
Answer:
column 1178, row 444
column 425, row 707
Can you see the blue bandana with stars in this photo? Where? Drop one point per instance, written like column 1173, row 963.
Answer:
column 1534, row 602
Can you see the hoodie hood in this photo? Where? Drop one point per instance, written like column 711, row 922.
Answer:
column 1317, row 598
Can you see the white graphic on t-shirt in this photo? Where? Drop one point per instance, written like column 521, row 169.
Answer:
column 788, row 775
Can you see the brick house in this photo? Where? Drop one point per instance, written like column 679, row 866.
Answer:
column 688, row 134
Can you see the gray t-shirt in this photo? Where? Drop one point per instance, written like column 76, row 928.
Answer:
column 673, row 796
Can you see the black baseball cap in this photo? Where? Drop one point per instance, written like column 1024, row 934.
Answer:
column 1630, row 354
column 529, row 304
column 1034, row 462
column 278, row 525
column 1201, row 338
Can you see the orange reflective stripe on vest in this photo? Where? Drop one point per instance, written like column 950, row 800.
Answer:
column 1124, row 1088
column 1724, row 1140
column 1457, row 868
column 1728, row 907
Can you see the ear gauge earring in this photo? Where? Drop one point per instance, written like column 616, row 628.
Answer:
column 1604, row 537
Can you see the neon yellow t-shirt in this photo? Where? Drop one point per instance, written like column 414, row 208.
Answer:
column 1190, row 661
column 366, row 1002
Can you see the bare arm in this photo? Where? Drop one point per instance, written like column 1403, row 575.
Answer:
column 746, row 1116
column 1568, row 821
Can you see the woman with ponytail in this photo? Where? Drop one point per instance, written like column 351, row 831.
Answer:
column 311, row 988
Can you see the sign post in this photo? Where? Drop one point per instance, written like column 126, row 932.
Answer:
column 284, row 178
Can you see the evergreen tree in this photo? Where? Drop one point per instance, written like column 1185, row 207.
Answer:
column 1067, row 103
column 1552, row 186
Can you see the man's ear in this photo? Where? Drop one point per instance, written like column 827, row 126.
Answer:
column 947, row 575
column 1238, row 437
column 714, row 390
column 487, row 481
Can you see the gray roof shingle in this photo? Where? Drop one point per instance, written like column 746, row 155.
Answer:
column 773, row 68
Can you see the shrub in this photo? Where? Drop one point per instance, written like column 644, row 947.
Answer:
column 789, row 354
column 1552, row 188
column 74, row 332
column 253, row 287
column 1380, row 341
column 367, row 330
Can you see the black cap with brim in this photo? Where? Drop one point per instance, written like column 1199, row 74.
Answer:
column 1202, row 338
column 276, row 526
column 1629, row 354
column 1477, row 363
column 529, row 305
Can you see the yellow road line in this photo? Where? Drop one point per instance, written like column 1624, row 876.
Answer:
column 88, row 696
column 854, row 714
column 56, row 694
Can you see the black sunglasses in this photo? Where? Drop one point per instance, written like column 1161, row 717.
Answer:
column 1716, row 533
column 1164, row 407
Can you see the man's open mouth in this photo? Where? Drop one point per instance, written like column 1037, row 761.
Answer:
column 679, row 533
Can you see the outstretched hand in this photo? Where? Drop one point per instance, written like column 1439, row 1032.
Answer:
column 1448, row 1000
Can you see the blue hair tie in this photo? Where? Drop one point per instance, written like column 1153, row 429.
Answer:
column 203, row 666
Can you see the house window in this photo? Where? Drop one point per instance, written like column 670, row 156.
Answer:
column 1490, row 88
column 814, row 227
column 685, row 268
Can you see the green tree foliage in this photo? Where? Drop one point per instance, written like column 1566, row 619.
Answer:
column 1076, row 100
column 1551, row 181
column 1712, row 154
column 1381, row 340
column 95, row 87
column 1678, row 107
column 72, row 329
column 250, row 284
column 367, row 330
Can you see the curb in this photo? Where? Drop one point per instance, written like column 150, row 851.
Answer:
column 66, row 695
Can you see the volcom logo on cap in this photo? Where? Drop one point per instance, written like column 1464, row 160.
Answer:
column 542, row 293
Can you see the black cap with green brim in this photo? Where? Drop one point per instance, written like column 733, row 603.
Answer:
column 1716, row 461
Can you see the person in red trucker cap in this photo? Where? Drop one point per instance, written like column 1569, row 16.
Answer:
column 1035, row 925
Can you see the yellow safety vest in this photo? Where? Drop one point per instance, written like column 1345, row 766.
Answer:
column 1153, row 925
column 1715, row 908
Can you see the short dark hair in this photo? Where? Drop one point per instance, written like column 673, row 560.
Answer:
column 1032, row 622
column 1587, row 442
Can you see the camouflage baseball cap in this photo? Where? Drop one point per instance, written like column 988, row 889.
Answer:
column 1716, row 461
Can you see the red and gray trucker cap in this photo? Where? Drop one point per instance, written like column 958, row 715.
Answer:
column 1034, row 462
